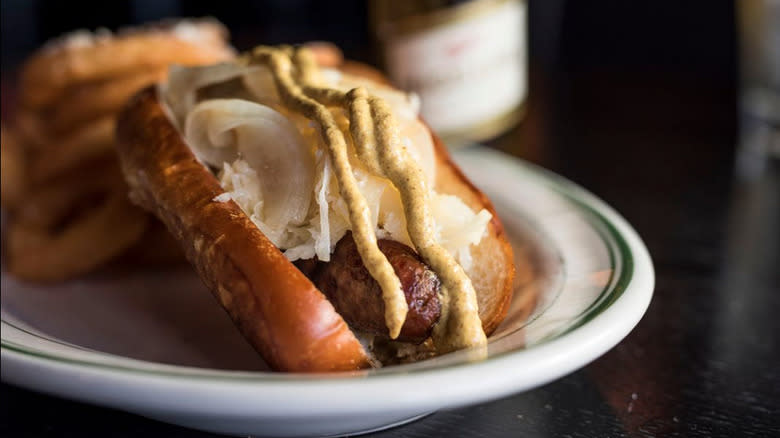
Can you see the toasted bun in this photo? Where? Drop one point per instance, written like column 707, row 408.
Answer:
column 280, row 312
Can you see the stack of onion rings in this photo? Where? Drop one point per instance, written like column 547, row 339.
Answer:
column 61, row 184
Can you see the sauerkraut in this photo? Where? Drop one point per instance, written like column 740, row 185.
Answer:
column 272, row 162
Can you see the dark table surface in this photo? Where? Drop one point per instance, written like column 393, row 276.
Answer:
column 659, row 145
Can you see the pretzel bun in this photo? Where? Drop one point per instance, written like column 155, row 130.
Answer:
column 276, row 307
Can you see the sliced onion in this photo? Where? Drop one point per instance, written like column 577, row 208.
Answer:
column 371, row 187
column 419, row 143
column 322, row 244
column 180, row 90
column 219, row 130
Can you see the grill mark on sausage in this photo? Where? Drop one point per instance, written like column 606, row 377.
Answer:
column 358, row 297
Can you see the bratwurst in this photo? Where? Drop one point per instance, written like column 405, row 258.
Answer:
column 358, row 298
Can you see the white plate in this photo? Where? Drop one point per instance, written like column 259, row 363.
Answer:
column 156, row 345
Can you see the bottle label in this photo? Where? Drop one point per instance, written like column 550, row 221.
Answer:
column 467, row 72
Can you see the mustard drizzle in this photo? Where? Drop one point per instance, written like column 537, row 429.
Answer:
column 378, row 145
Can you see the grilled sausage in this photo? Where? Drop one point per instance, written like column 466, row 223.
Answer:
column 358, row 298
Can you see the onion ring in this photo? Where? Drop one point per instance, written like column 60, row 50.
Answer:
column 83, row 103
column 84, row 57
column 94, row 238
column 12, row 163
column 30, row 128
column 88, row 142
column 75, row 214
column 48, row 205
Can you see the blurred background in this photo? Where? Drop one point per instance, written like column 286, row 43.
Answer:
column 645, row 104
column 596, row 60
